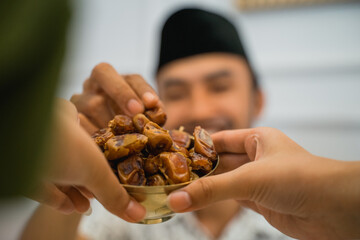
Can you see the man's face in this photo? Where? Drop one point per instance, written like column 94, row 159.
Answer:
column 211, row 90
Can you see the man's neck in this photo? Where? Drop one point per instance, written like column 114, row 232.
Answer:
column 216, row 217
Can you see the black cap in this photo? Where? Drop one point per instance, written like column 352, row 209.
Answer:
column 193, row 31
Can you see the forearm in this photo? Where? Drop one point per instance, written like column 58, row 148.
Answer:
column 334, row 192
column 47, row 223
column 348, row 195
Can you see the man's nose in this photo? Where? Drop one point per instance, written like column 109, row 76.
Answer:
column 202, row 105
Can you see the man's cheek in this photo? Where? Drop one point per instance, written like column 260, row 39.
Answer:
column 173, row 119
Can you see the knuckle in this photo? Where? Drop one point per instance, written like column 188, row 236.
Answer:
column 82, row 117
column 266, row 129
column 101, row 67
column 121, row 205
column 207, row 189
column 57, row 201
column 134, row 78
column 117, row 207
column 264, row 132
column 75, row 98
column 116, row 199
column 88, row 85
column 95, row 102
column 118, row 92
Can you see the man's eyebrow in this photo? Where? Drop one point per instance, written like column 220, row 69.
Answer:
column 170, row 82
column 216, row 75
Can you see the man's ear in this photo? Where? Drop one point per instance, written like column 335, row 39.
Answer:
column 259, row 102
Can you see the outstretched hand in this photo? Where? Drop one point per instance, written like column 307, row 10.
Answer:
column 77, row 170
column 302, row 195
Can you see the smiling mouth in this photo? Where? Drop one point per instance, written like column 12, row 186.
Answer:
column 209, row 128
column 212, row 125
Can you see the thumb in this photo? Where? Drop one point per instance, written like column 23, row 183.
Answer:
column 109, row 192
column 238, row 184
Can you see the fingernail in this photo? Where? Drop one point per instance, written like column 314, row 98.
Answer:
column 67, row 207
column 135, row 107
column 149, row 97
column 179, row 201
column 88, row 212
column 135, row 211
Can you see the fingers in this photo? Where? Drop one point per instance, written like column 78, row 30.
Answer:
column 249, row 204
column 91, row 86
column 107, row 93
column 252, row 142
column 240, row 184
column 89, row 127
column 80, row 202
column 85, row 192
column 231, row 141
column 114, row 197
column 144, row 91
column 65, row 107
column 229, row 162
column 51, row 196
column 116, row 87
column 94, row 107
column 78, row 161
column 202, row 192
column 99, row 179
column 65, row 199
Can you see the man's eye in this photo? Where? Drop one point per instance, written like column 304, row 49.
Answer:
column 176, row 96
column 219, row 88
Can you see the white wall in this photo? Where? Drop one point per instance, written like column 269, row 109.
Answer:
column 308, row 60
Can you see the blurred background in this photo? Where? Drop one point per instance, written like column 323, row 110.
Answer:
column 307, row 57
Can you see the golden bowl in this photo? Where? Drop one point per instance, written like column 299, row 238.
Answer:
column 153, row 198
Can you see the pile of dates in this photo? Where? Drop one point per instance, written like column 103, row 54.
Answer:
column 142, row 153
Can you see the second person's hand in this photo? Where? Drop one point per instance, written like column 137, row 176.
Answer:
column 302, row 195
column 107, row 93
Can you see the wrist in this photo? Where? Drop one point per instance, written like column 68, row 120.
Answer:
column 347, row 196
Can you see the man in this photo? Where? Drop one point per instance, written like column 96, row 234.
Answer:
column 203, row 78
